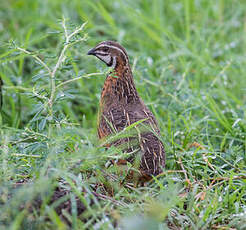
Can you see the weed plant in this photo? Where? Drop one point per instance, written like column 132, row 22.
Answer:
column 188, row 61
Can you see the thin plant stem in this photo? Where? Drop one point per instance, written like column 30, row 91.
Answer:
column 77, row 78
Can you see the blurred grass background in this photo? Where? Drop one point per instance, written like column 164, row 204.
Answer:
column 188, row 60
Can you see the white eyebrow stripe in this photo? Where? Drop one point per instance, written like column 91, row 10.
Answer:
column 114, row 47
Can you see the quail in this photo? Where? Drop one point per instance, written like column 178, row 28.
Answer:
column 121, row 106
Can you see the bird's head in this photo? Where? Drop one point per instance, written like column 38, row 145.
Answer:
column 111, row 53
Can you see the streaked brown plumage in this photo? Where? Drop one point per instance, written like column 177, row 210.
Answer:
column 121, row 106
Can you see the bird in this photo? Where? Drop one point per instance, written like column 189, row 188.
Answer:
column 122, row 107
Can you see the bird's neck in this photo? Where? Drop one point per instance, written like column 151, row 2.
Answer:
column 119, row 87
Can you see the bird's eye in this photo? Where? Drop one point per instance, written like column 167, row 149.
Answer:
column 105, row 49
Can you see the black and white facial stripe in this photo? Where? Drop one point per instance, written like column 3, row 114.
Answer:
column 109, row 52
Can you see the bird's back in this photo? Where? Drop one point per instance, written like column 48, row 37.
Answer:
column 144, row 135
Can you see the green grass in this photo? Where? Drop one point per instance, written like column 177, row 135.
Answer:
column 188, row 61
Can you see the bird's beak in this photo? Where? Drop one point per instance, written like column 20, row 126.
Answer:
column 91, row 52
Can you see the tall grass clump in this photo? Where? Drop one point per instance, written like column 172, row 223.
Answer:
column 188, row 62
